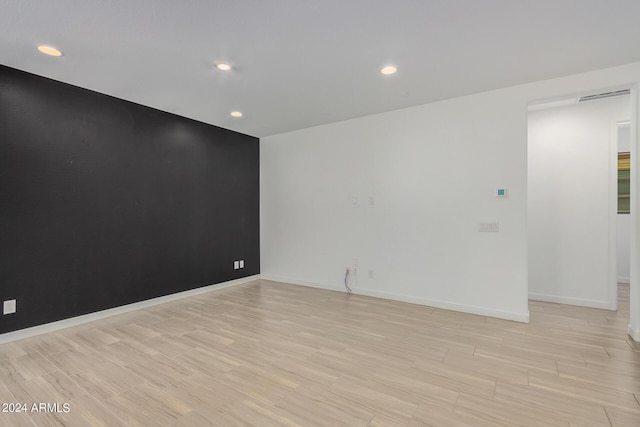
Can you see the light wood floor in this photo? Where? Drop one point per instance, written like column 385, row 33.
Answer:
column 267, row 353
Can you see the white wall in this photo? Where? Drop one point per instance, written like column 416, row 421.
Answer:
column 433, row 170
column 571, row 205
column 624, row 244
column 623, row 223
column 634, row 267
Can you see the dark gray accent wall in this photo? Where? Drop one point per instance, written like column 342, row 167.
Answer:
column 104, row 202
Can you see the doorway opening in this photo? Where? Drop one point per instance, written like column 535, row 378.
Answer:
column 574, row 241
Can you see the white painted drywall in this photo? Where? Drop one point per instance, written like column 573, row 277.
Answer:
column 433, row 170
column 623, row 221
column 634, row 265
column 569, row 194
column 624, row 245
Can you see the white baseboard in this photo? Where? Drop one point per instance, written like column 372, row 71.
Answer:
column 482, row 311
column 623, row 280
column 79, row 320
column 634, row 333
column 606, row 305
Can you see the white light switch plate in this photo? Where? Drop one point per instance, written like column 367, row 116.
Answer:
column 236, row 265
column 241, row 263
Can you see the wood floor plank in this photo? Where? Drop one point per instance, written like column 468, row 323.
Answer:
column 437, row 416
column 18, row 420
column 314, row 411
column 614, row 380
column 251, row 413
column 517, row 356
column 159, row 370
column 571, row 409
column 415, row 389
column 622, row 418
column 450, row 377
column 32, row 365
column 196, row 393
column 488, row 368
column 491, row 410
column 378, row 398
column 597, row 394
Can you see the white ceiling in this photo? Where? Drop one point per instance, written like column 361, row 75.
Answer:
column 300, row 63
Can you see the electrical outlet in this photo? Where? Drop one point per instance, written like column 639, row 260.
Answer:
column 236, row 265
column 241, row 263
column 9, row 307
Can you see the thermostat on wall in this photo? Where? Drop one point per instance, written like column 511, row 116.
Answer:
column 502, row 193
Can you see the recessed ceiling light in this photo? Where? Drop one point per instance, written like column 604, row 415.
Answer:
column 48, row 50
column 223, row 67
column 389, row 70
column 236, row 114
